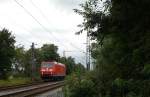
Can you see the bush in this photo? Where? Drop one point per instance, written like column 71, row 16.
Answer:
column 78, row 86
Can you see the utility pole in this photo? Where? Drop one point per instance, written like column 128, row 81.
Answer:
column 64, row 53
column 32, row 62
column 88, row 51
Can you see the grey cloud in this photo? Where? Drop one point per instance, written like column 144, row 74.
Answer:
column 69, row 5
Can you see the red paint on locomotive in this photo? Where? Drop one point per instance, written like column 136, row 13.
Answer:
column 52, row 70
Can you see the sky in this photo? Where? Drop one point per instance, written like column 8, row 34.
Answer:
column 45, row 21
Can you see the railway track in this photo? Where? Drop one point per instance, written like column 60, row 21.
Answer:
column 21, row 85
column 31, row 90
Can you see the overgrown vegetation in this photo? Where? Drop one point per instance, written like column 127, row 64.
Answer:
column 122, row 49
column 14, row 81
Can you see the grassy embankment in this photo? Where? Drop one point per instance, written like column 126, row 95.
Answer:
column 14, row 81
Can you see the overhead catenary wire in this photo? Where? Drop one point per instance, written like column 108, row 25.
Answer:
column 39, row 11
column 29, row 13
column 23, row 28
column 71, row 44
column 27, row 42
column 34, row 18
column 44, row 28
column 17, row 35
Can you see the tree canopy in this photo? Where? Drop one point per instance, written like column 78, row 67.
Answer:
column 49, row 52
column 7, row 52
column 122, row 49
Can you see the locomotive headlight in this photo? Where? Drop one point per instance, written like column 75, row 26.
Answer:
column 43, row 70
column 50, row 70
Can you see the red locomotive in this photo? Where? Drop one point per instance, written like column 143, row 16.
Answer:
column 52, row 70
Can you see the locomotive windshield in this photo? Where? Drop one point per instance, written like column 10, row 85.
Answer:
column 46, row 64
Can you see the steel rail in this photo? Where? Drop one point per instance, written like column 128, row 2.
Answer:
column 20, row 85
column 31, row 90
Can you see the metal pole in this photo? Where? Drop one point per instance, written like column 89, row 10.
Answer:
column 87, row 51
column 88, row 54
column 32, row 62
column 64, row 53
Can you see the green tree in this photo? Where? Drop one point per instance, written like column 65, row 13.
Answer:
column 121, row 29
column 78, row 86
column 7, row 52
column 49, row 52
column 80, row 68
column 70, row 64
column 19, row 60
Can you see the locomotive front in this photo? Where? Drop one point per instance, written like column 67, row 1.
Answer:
column 52, row 71
column 47, row 70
